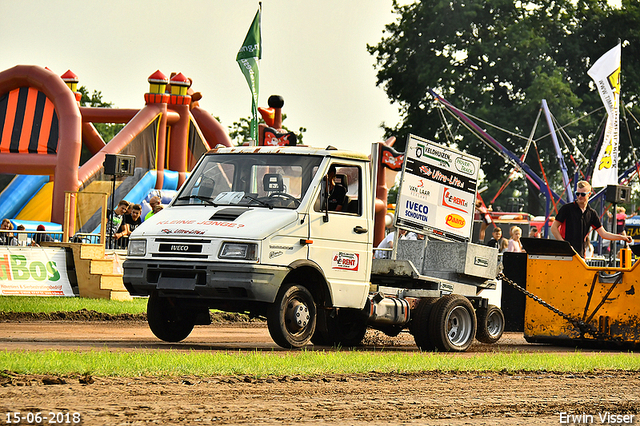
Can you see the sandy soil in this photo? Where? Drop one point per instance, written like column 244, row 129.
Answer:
column 426, row 398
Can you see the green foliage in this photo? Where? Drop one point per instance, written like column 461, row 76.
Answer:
column 106, row 130
column 497, row 60
column 240, row 131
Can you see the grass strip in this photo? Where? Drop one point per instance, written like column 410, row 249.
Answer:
column 261, row 364
column 71, row 304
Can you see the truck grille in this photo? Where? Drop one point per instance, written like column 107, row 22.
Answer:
column 191, row 248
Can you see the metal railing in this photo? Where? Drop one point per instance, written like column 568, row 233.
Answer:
column 16, row 237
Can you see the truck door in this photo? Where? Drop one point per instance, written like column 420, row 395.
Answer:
column 342, row 245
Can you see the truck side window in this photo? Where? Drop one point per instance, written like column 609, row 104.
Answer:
column 344, row 190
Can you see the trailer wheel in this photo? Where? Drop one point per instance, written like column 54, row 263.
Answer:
column 452, row 323
column 419, row 325
column 292, row 317
column 490, row 324
column 167, row 320
column 341, row 327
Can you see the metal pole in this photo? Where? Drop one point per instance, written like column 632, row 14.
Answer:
column 559, row 156
column 113, row 199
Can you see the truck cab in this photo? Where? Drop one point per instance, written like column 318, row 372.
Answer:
column 285, row 233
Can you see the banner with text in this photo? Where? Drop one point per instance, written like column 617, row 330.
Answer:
column 437, row 190
column 34, row 271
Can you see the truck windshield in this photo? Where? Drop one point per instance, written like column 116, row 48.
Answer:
column 266, row 180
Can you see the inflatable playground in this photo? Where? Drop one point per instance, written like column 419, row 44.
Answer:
column 44, row 129
column 44, row 133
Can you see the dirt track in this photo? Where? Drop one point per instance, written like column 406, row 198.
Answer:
column 426, row 398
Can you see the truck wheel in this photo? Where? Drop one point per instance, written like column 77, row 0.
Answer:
column 419, row 325
column 292, row 316
column 452, row 323
column 490, row 324
column 167, row 320
column 343, row 327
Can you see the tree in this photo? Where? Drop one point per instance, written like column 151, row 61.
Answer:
column 106, row 130
column 496, row 60
column 240, row 131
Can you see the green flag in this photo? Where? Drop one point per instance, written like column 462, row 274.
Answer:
column 248, row 56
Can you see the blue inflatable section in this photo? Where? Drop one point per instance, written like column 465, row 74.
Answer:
column 145, row 189
column 18, row 193
column 142, row 188
column 170, row 180
column 32, row 225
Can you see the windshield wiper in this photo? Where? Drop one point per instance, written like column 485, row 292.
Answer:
column 263, row 203
column 199, row 197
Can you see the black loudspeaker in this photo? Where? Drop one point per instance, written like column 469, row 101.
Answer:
column 618, row 194
column 119, row 165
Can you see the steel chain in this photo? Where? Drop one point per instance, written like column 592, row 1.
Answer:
column 582, row 326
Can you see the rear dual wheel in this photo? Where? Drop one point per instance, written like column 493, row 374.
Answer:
column 453, row 323
column 490, row 324
column 447, row 324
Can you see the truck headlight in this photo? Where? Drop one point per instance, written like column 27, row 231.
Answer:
column 245, row 251
column 137, row 248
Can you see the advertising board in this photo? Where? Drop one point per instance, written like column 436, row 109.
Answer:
column 33, row 271
column 437, row 190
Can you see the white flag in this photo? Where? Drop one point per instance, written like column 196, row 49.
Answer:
column 606, row 74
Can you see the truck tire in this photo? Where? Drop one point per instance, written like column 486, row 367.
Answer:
column 292, row 317
column 167, row 320
column 342, row 327
column 419, row 325
column 452, row 323
column 490, row 324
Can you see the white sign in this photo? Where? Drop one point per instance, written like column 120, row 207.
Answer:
column 437, row 190
column 34, row 271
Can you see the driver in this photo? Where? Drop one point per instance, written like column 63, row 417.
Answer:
column 337, row 193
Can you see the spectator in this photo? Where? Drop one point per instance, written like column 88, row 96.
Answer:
column 621, row 218
column 41, row 236
column 504, row 244
column 533, row 232
column 21, row 236
column 485, row 217
column 575, row 220
column 154, row 202
column 514, row 244
column 113, row 224
column 7, row 238
column 132, row 221
column 496, row 238
column 387, row 243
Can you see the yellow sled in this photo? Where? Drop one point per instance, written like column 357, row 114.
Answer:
column 580, row 303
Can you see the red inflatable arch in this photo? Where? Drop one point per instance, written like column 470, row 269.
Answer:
column 40, row 128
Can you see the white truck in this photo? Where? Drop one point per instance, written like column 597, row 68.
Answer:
column 260, row 230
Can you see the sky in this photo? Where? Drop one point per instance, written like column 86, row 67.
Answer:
column 314, row 56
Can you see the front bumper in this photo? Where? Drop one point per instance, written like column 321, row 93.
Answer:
column 211, row 280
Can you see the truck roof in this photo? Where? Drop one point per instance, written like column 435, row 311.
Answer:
column 299, row 150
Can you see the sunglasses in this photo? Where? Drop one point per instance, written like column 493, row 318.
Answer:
column 582, row 194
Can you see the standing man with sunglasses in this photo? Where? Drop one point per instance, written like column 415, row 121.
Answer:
column 575, row 220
